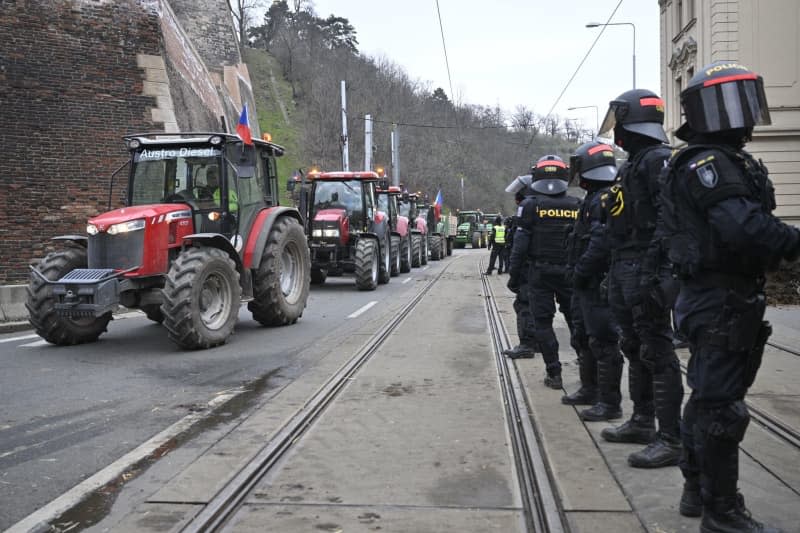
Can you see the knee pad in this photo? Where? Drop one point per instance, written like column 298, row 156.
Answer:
column 728, row 422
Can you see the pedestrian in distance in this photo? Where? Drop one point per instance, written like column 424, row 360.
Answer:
column 545, row 220
column 717, row 208
column 497, row 245
column 508, row 223
column 641, row 288
column 595, row 333
column 526, row 348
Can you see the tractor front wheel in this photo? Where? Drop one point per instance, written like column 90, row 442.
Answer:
column 43, row 316
column 476, row 240
column 424, row 252
column 416, row 250
column 367, row 264
column 281, row 282
column 201, row 298
column 395, row 255
column 405, row 254
column 436, row 248
column 386, row 261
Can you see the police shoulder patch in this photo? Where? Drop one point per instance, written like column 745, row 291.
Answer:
column 704, row 165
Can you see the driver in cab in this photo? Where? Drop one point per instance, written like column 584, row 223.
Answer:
column 212, row 182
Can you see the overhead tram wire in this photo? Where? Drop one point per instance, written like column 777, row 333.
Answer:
column 447, row 64
column 585, row 57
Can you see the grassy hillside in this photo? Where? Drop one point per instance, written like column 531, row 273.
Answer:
column 274, row 97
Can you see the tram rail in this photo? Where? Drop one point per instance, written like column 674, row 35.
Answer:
column 541, row 508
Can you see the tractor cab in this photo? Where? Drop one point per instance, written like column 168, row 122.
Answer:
column 348, row 233
column 198, row 232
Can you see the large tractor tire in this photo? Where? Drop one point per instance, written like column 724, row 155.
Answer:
column 367, row 264
column 476, row 240
column 202, row 297
column 416, row 250
column 280, row 287
column 44, row 318
column 424, row 258
column 395, row 255
column 318, row 276
column 436, row 248
column 385, row 273
column 153, row 312
column 406, row 254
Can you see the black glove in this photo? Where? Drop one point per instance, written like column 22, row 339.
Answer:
column 513, row 282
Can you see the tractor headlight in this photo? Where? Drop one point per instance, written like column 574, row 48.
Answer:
column 316, row 232
column 91, row 229
column 125, row 227
column 330, row 232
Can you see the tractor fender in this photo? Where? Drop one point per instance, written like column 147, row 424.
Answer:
column 216, row 240
column 369, row 235
column 416, row 231
column 259, row 232
column 81, row 240
column 396, row 234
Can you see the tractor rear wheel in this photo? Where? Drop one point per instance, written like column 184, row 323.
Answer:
column 202, row 296
column 153, row 312
column 46, row 321
column 436, row 248
column 395, row 255
column 416, row 250
column 424, row 259
column 405, row 254
column 476, row 240
column 280, row 287
column 367, row 264
column 386, row 261
column 318, row 276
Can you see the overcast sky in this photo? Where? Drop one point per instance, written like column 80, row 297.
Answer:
column 513, row 52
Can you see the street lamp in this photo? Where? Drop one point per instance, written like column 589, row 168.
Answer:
column 596, row 116
column 598, row 24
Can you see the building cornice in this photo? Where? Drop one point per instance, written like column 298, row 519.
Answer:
column 682, row 56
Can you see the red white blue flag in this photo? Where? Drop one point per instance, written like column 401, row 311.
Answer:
column 243, row 127
column 438, row 204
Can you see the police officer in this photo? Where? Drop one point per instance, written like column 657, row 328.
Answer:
column 639, row 271
column 599, row 358
column 497, row 243
column 717, row 203
column 521, row 187
column 545, row 220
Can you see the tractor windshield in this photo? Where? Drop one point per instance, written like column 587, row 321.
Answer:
column 345, row 195
column 467, row 217
column 405, row 209
column 383, row 203
column 168, row 174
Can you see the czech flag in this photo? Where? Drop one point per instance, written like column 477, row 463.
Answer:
column 438, row 204
column 243, row 127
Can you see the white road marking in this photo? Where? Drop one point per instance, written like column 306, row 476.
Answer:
column 362, row 309
column 407, row 280
column 78, row 493
column 424, row 268
column 34, row 344
column 22, row 338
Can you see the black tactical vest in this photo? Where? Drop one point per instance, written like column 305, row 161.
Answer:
column 633, row 214
column 693, row 245
column 554, row 217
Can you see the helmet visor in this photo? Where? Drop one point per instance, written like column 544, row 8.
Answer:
column 603, row 173
column 727, row 103
column 550, row 186
column 519, row 183
column 615, row 108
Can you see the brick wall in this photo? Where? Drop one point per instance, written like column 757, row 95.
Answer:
column 69, row 87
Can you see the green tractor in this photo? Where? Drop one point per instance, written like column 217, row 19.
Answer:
column 471, row 230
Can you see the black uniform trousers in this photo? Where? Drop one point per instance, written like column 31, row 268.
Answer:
column 547, row 285
column 522, row 308
column 498, row 252
column 654, row 378
column 715, row 417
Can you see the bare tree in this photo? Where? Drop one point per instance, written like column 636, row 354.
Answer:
column 244, row 13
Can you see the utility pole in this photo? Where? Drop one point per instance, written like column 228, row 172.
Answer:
column 345, row 140
column 462, row 194
column 367, row 142
column 395, row 140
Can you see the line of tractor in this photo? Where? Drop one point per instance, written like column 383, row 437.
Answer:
column 202, row 230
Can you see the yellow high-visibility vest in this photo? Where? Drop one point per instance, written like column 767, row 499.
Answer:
column 499, row 234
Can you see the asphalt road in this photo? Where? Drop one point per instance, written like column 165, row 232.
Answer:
column 68, row 412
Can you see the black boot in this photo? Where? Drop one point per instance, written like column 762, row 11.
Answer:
column 664, row 451
column 691, row 500
column 582, row 396
column 609, row 375
column 640, row 429
column 587, row 394
column 601, row 412
column 520, row 351
column 729, row 515
column 554, row 381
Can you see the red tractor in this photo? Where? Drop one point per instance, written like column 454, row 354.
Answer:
column 201, row 232
column 401, row 236
column 419, row 229
column 348, row 234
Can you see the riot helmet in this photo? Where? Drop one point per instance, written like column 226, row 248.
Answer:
column 636, row 111
column 521, row 185
column 724, row 96
column 550, row 175
column 593, row 163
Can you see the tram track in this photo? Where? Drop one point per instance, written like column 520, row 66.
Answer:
column 224, row 505
column 541, row 508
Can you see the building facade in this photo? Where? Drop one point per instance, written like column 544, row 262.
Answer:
column 764, row 35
